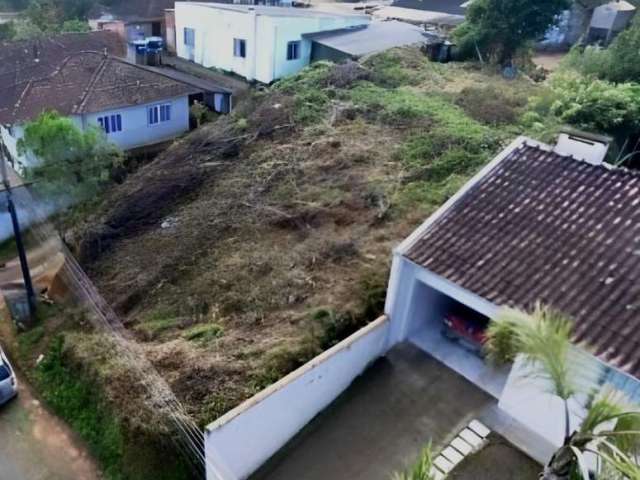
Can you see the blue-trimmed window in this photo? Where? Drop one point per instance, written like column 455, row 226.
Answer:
column 111, row 123
column 239, row 47
column 159, row 114
column 293, row 50
column 189, row 37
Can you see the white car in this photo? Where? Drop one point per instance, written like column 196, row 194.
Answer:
column 8, row 382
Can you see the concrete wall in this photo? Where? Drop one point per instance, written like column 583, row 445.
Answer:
column 266, row 39
column 242, row 440
column 170, row 31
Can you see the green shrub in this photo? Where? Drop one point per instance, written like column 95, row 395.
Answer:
column 422, row 469
column 591, row 104
column 311, row 106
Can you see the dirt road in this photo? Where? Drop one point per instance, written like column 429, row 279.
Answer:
column 35, row 445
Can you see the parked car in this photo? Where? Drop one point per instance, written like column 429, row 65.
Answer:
column 8, row 382
column 468, row 331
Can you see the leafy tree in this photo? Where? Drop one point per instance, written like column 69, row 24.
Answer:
column 69, row 161
column 50, row 15
column 611, row 429
column 499, row 28
column 26, row 30
column 7, row 31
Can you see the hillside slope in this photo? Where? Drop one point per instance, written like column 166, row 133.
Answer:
column 258, row 240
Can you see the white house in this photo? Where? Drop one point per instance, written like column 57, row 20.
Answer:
column 134, row 105
column 256, row 42
column 539, row 223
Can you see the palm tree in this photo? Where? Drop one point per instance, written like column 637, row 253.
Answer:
column 610, row 432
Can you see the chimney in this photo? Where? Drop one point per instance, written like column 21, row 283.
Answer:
column 588, row 147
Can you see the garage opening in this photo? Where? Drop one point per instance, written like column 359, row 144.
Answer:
column 454, row 334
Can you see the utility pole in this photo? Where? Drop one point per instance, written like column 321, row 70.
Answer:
column 24, row 266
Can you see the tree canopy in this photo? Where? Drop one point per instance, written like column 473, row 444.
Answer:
column 69, row 161
column 499, row 28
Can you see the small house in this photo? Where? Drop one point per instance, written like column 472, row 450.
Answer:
column 261, row 43
column 136, row 106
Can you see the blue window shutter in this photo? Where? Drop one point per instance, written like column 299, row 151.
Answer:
column 113, row 123
column 119, row 122
column 150, row 115
column 168, row 114
column 106, row 125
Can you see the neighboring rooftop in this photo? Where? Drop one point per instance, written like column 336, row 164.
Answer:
column 451, row 7
column 274, row 11
column 55, row 74
column 376, row 37
column 545, row 227
column 416, row 16
column 133, row 10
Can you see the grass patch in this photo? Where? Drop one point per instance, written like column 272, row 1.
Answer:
column 158, row 321
column 203, row 333
column 75, row 400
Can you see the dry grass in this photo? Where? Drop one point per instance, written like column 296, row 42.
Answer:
column 278, row 233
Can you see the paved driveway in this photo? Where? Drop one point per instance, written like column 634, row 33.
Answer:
column 380, row 424
column 35, row 445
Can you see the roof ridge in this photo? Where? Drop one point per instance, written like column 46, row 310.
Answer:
column 85, row 95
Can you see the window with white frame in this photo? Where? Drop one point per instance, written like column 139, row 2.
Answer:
column 111, row 123
column 293, row 50
column 189, row 37
column 159, row 113
column 239, row 47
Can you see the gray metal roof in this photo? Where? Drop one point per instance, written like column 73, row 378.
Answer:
column 373, row 38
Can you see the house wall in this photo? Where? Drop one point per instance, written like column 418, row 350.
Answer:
column 136, row 132
column 405, row 307
column 417, row 296
column 266, row 39
column 238, row 443
column 170, row 31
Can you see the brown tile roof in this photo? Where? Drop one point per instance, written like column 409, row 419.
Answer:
column 544, row 227
column 73, row 80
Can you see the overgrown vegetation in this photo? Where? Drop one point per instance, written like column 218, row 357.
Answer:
column 70, row 162
column 422, row 469
column 127, row 440
column 271, row 241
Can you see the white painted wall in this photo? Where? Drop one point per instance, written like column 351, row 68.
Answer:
column 242, row 440
column 136, row 131
column 266, row 38
column 406, row 309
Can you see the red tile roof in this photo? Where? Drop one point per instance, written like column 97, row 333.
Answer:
column 545, row 227
column 73, row 75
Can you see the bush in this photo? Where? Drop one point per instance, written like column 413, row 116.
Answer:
column 591, row 104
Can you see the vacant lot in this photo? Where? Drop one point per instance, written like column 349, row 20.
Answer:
column 259, row 240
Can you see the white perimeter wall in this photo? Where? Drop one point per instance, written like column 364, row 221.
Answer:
column 242, row 440
column 266, row 39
